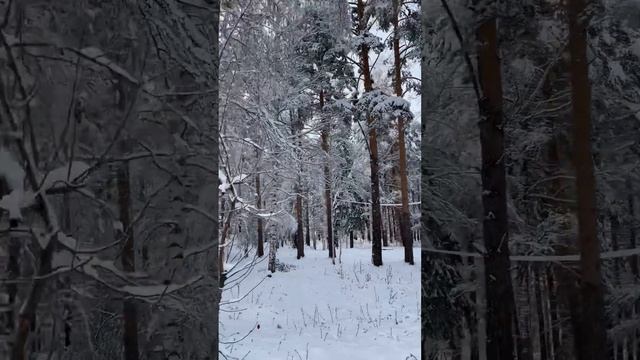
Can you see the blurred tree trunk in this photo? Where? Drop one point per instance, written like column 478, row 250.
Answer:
column 499, row 289
column 591, row 341
column 405, row 214
column 324, row 135
column 129, row 311
column 260, row 222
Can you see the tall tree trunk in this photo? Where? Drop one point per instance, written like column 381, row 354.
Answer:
column 273, row 241
column 308, row 233
column 633, row 260
column 591, row 344
column 214, row 19
column 392, row 225
column 499, row 288
column 405, row 214
column 300, row 231
column 385, row 239
column 226, row 229
column 376, row 217
column 324, row 135
column 298, row 126
column 615, row 246
column 542, row 335
column 481, row 310
column 129, row 312
column 7, row 314
column 64, row 280
column 260, row 221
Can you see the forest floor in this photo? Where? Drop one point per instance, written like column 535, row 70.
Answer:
column 319, row 311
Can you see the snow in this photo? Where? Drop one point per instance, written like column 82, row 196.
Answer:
column 61, row 259
column 239, row 178
column 155, row 290
column 13, row 174
column 11, row 170
column 18, row 198
column 117, row 225
column 67, row 241
column 253, row 143
column 635, row 48
column 15, row 201
column 224, row 182
column 369, row 39
column 58, row 176
column 319, row 311
column 393, row 104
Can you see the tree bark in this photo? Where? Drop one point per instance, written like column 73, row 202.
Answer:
column 273, row 241
column 376, row 217
column 385, row 235
column 591, row 344
column 214, row 18
column 499, row 289
column 298, row 126
column 308, row 233
column 129, row 311
column 615, row 229
column 7, row 315
column 324, row 135
column 300, row 231
column 405, row 214
column 260, row 221
column 542, row 336
column 633, row 260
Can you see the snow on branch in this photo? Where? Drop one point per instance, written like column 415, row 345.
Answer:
column 146, row 291
column 367, row 39
column 156, row 290
column 379, row 104
column 19, row 198
column 11, row 170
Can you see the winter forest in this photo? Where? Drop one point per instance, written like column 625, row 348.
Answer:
column 210, row 179
column 319, row 179
column 530, row 179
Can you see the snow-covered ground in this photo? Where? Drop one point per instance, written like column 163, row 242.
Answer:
column 320, row 311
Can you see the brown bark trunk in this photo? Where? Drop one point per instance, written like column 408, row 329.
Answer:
column 405, row 214
column 214, row 19
column 64, row 280
column 385, row 237
column 351, row 239
column 260, row 221
column 300, row 232
column 633, row 260
column 500, row 296
column 543, row 336
column 129, row 311
column 12, row 271
column 392, row 225
column 299, row 238
column 308, row 233
column 615, row 229
column 223, row 240
column 376, row 217
column 591, row 344
column 324, row 135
